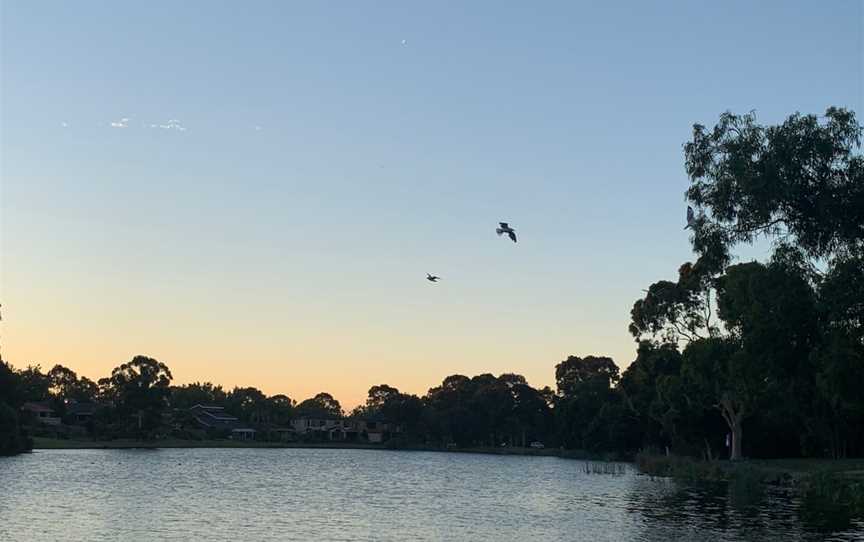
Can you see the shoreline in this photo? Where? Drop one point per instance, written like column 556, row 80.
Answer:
column 784, row 471
column 45, row 443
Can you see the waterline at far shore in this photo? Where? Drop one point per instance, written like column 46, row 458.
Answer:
column 44, row 443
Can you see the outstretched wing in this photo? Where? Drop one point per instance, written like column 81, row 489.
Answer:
column 512, row 235
column 503, row 225
column 691, row 218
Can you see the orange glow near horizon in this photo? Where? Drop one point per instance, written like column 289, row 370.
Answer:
column 299, row 363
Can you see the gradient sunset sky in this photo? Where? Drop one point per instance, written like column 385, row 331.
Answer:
column 288, row 172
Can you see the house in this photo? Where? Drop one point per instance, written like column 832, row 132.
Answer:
column 214, row 418
column 314, row 424
column 325, row 427
column 345, row 429
column 376, row 429
column 39, row 412
column 80, row 413
column 242, row 433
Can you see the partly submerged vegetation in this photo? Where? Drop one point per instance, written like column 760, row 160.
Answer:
column 831, row 502
column 604, row 467
column 831, row 492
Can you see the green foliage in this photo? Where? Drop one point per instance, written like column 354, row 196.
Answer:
column 685, row 468
column 34, row 385
column 589, row 413
column 842, row 297
column 800, row 179
column 831, row 502
column 379, row 396
column 140, row 390
column 649, row 388
column 12, row 441
column 772, row 309
column 186, row 396
column 788, row 351
column 249, row 404
column 574, row 372
column 323, row 405
column 66, row 385
column 386, row 403
column 279, row 409
column 11, row 391
column 486, row 411
column 12, row 438
column 673, row 311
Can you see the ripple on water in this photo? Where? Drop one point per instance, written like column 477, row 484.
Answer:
column 354, row 495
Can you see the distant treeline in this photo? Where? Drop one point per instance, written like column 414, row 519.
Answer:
column 733, row 359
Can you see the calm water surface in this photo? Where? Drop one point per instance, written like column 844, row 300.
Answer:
column 297, row 494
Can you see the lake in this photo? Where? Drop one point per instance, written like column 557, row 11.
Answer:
column 348, row 495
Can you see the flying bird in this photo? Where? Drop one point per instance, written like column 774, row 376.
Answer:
column 691, row 218
column 503, row 228
column 432, row 278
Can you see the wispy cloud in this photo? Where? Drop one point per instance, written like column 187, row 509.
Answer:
column 172, row 124
column 122, row 123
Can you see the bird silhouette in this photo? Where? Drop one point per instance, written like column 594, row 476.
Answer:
column 503, row 228
column 432, row 278
column 691, row 218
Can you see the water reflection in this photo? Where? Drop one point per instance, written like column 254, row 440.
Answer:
column 741, row 511
column 372, row 495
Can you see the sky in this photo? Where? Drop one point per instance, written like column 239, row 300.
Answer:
column 253, row 192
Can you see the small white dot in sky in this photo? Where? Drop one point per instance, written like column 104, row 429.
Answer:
column 64, row 124
column 404, row 42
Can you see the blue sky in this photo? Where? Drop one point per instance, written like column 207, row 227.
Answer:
column 281, row 238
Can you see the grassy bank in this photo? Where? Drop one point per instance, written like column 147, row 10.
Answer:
column 781, row 471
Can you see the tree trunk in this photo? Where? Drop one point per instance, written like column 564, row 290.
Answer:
column 737, row 436
column 734, row 421
column 709, row 455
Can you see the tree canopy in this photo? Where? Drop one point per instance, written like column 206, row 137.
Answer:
column 322, row 405
column 801, row 181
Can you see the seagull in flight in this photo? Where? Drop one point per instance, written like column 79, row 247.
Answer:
column 503, row 228
column 432, row 278
column 691, row 218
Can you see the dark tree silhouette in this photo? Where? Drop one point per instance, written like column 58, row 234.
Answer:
column 322, row 405
column 140, row 389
